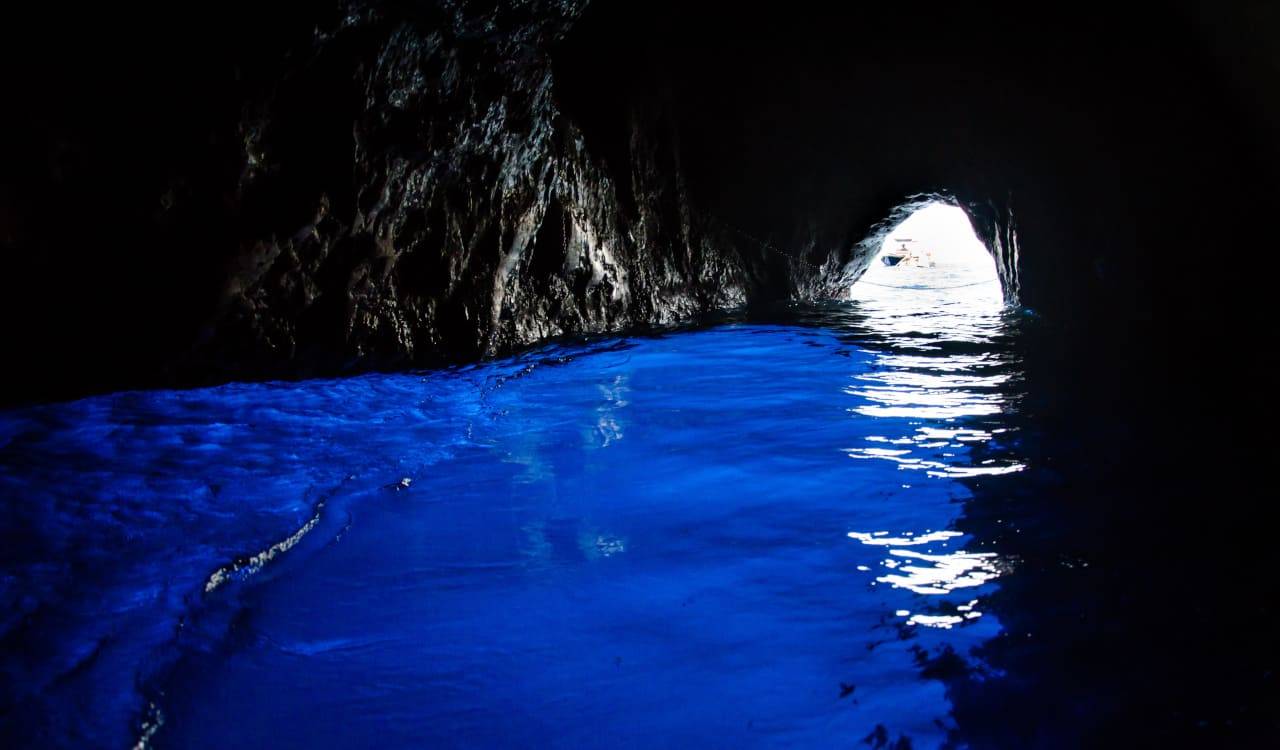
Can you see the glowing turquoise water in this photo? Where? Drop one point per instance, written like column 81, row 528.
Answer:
column 745, row 535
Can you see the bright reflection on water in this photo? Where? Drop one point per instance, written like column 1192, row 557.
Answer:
column 739, row 536
column 946, row 298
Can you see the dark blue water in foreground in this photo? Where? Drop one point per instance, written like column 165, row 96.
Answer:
column 740, row 536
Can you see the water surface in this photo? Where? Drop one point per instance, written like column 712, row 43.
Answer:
column 751, row 534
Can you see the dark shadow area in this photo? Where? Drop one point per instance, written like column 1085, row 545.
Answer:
column 1113, row 139
column 123, row 147
column 1139, row 603
column 1121, row 145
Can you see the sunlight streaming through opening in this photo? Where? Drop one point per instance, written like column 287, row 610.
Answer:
column 934, row 251
column 932, row 289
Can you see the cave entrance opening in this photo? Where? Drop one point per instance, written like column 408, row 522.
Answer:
column 933, row 256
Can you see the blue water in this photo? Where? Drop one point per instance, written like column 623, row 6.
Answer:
column 748, row 535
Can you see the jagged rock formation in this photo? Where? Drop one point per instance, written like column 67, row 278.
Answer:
column 462, row 214
column 466, row 214
column 377, row 183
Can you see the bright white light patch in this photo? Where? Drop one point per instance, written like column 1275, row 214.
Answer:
column 942, row 574
column 934, row 252
column 945, row 232
column 908, row 540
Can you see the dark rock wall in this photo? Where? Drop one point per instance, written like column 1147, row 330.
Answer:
column 379, row 184
column 121, row 158
column 462, row 215
column 242, row 191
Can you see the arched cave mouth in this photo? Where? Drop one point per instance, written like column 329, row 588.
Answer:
column 928, row 252
column 934, row 250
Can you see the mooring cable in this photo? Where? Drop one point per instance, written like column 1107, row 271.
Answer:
column 955, row 286
column 773, row 248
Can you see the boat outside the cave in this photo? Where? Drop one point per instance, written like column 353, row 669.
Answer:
column 905, row 256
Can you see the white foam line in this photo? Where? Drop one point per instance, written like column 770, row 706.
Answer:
column 150, row 725
column 244, row 568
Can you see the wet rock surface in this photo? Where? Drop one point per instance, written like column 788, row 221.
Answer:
column 373, row 184
column 463, row 214
column 322, row 188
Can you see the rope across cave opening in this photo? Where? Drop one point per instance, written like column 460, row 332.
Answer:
column 933, row 287
column 933, row 250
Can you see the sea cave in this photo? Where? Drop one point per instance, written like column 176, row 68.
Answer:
column 554, row 373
